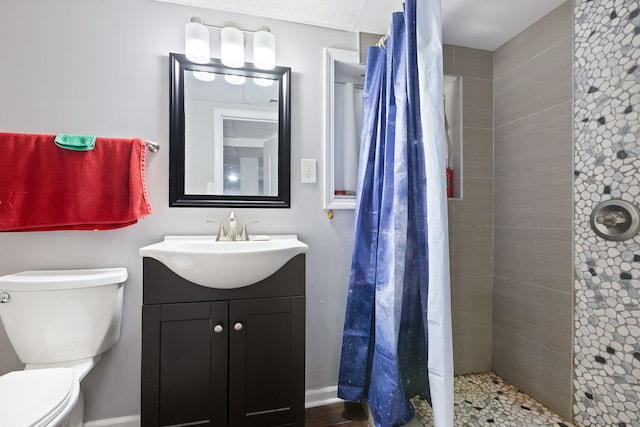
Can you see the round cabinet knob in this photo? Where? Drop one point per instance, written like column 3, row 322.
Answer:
column 238, row 326
column 218, row 329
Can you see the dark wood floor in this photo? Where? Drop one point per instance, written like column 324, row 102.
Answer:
column 338, row 414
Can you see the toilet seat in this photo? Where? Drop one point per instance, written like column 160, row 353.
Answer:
column 34, row 398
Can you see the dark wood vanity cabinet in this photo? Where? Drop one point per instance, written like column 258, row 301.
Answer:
column 223, row 358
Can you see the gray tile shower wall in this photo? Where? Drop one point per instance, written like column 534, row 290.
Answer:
column 607, row 165
column 533, row 210
column 471, row 218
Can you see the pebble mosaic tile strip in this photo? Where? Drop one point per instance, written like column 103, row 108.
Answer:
column 487, row 400
column 607, row 161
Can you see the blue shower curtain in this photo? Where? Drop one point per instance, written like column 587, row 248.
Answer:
column 384, row 350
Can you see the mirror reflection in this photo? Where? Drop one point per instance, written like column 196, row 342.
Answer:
column 230, row 136
column 249, row 156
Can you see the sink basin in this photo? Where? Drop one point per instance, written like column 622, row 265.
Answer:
column 224, row 265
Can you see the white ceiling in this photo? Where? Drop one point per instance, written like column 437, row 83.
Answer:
column 488, row 24
column 481, row 24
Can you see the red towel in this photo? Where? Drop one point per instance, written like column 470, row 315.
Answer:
column 45, row 187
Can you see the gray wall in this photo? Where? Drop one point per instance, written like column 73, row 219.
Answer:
column 607, row 150
column 471, row 218
column 533, row 168
column 102, row 68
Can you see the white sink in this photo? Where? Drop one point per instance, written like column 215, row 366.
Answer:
column 223, row 264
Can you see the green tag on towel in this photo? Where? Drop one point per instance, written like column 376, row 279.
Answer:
column 75, row 142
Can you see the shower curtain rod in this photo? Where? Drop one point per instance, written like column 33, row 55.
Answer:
column 383, row 40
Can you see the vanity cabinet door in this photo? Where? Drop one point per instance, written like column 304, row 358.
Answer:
column 266, row 362
column 184, row 364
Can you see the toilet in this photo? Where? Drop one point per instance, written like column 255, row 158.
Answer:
column 59, row 323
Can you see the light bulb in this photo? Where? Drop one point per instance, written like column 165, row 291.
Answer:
column 264, row 49
column 232, row 47
column 235, row 80
column 262, row 82
column 196, row 38
column 204, row 76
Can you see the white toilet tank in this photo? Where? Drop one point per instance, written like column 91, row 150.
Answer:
column 56, row 316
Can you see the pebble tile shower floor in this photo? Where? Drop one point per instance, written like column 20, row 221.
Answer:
column 487, row 400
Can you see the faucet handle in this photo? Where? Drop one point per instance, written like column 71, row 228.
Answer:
column 222, row 234
column 244, row 235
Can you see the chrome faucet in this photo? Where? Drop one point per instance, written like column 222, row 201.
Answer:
column 222, row 233
column 233, row 231
column 244, row 234
column 233, row 235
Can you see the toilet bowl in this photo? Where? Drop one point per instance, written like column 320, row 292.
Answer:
column 59, row 323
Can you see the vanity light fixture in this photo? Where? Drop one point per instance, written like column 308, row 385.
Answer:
column 197, row 48
column 196, row 39
column 264, row 49
column 232, row 47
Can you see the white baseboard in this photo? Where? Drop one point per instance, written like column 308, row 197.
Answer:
column 312, row 398
column 321, row 396
column 132, row 421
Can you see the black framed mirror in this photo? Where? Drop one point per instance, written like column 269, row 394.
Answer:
column 230, row 135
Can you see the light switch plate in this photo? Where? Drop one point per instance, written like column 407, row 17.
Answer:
column 308, row 168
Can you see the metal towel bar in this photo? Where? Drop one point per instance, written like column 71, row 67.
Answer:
column 153, row 146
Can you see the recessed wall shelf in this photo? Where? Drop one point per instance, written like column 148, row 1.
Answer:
column 343, row 91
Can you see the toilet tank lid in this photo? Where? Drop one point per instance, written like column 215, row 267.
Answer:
column 39, row 280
